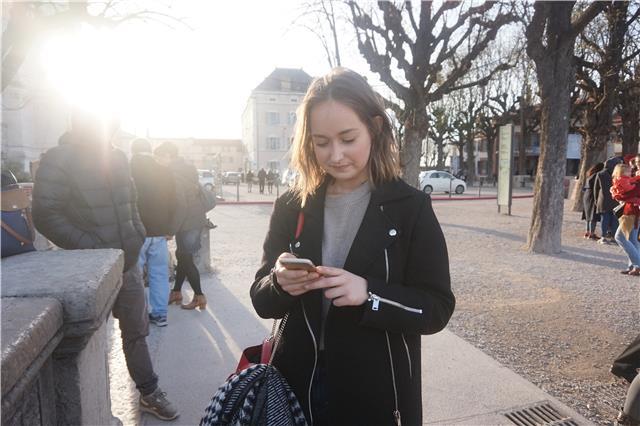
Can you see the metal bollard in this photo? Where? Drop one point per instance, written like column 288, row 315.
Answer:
column 238, row 190
column 450, row 183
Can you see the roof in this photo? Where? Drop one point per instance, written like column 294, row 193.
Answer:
column 285, row 80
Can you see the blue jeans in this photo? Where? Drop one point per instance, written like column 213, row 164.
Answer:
column 609, row 223
column 631, row 246
column 155, row 255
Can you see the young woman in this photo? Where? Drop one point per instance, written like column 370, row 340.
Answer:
column 351, row 347
column 626, row 188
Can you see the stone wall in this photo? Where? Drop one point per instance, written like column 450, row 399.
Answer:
column 54, row 338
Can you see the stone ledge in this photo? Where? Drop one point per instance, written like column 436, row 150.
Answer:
column 85, row 282
column 30, row 332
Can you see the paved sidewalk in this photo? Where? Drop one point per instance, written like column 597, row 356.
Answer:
column 197, row 351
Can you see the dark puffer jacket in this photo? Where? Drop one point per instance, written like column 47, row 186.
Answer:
column 84, row 198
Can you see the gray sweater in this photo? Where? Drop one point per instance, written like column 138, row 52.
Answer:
column 342, row 217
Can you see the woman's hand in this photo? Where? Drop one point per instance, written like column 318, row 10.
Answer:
column 342, row 287
column 293, row 282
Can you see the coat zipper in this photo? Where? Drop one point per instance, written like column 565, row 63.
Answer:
column 377, row 299
column 315, row 359
column 406, row 348
column 396, row 412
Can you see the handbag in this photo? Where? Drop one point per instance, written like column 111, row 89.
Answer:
column 18, row 232
column 619, row 209
column 257, row 393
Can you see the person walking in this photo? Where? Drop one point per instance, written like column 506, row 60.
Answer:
column 604, row 202
column 191, row 222
column 262, row 177
column 589, row 203
column 249, row 180
column 626, row 189
column 351, row 346
column 157, row 205
column 270, row 177
column 84, row 198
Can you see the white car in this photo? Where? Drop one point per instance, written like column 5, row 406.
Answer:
column 438, row 181
column 207, row 179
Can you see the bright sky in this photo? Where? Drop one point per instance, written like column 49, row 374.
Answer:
column 182, row 82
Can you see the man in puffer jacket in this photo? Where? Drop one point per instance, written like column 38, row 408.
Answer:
column 84, row 198
column 604, row 202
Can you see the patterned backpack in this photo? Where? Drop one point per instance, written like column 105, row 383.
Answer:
column 258, row 395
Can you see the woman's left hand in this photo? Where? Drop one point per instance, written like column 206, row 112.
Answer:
column 342, row 287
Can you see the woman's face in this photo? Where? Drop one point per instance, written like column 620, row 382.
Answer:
column 341, row 143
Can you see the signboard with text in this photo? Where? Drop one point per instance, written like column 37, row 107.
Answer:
column 505, row 162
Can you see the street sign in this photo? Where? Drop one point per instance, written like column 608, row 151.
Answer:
column 505, row 165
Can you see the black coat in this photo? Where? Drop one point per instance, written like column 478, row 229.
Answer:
column 589, row 201
column 191, row 212
column 156, row 190
column 401, row 220
column 602, row 187
column 84, row 198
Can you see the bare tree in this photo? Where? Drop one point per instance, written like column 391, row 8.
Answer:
column 598, row 73
column 28, row 22
column 321, row 18
column 440, row 128
column 422, row 58
column 551, row 37
column 629, row 89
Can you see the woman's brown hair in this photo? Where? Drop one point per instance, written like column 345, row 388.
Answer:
column 352, row 90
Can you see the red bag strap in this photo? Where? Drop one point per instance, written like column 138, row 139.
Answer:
column 300, row 224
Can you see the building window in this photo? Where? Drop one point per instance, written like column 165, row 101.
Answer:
column 294, row 100
column 272, row 99
column 273, row 118
column 292, row 118
column 273, row 165
column 273, row 143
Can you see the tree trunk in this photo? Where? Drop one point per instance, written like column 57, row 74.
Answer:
column 588, row 158
column 491, row 152
column 471, row 159
column 630, row 112
column 441, row 158
column 410, row 153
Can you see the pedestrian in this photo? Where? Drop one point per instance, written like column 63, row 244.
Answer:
column 249, row 180
column 604, row 202
column 157, row 206
column 626, row 189
column 589, row 205
column 191, row 223
column 270, row 177
column 351, row 347
column 262, row 177
column 83, row 198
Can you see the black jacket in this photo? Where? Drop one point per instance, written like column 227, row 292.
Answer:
column 156, row 190
column 84, row 198
column 399, row 225
column 602, row 187
column 588, row 200
column 190, row 213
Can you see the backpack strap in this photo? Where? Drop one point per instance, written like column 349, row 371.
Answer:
column 14, row 234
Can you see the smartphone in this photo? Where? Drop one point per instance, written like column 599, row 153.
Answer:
column 294, row 263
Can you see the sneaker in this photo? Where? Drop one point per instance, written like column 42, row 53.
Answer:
column 602, row 240
column 160, row 320
column 594, row 237
column 156, row 403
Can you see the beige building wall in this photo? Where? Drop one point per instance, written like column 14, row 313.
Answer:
column 219, row 155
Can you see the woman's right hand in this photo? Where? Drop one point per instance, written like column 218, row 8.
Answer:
column 293, row 282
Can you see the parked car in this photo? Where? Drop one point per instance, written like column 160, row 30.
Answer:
column 207, row 179
column 289, row 177
column 439, row 181
column 231, row 178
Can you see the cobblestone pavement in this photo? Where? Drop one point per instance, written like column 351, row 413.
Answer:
column 556, row 320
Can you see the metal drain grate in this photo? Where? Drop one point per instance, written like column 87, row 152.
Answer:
column 539, row 414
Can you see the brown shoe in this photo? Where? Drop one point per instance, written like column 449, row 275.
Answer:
column 175, row 297
column 635, row 272
column 199, row 301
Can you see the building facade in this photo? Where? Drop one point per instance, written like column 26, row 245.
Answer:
column 219, row 155
column 269, row 118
